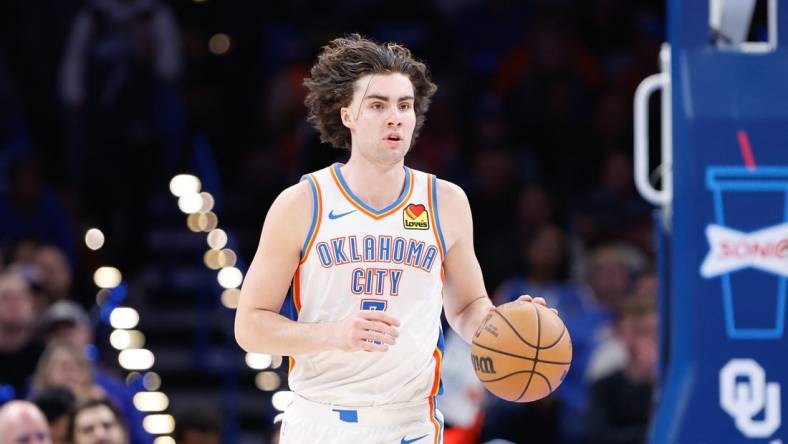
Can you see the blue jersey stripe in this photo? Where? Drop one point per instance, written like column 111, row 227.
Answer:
column 361, row 203
column 437, row 215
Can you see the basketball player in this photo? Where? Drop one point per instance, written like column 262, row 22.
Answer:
column 374, row 250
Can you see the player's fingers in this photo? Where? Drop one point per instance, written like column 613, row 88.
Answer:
column 554, row 310
column 381, row 316
column 540, row 301
column 364, row 329
column 362, row 323
column 373, row 347
column 376, row 336
column 380, row 327
column 526, row 298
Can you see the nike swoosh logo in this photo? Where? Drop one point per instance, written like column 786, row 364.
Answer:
column 408, row 441
column 333, row 216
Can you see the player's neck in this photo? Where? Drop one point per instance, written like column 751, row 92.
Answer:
column 375, row 184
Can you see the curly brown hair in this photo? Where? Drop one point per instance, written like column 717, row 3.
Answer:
column 345, row 60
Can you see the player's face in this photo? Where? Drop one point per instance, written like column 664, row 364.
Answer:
column 381, row 117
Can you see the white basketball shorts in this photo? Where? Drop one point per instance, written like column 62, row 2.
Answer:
column 307, row 422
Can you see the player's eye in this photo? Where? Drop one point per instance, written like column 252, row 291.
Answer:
column 376, row 106
column 404, row 106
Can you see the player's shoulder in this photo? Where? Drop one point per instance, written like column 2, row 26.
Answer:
column 450, row 194
column 303, row 194
column 294, row 202
column 290, row 215
column 454, row 210
column 296, row 194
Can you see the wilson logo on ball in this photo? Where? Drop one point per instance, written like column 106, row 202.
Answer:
column 521, row 352
column 481, row 326
column 483, row 364
column 491, row 329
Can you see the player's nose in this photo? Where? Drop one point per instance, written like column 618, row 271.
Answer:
column 394, row 119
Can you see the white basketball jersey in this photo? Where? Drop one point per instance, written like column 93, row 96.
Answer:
column 357, row 257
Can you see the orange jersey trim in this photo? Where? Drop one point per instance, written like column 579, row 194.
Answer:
column 359, row 206
column 434, row 420
column 297, row 289
column 436, row 382
column 318, row 217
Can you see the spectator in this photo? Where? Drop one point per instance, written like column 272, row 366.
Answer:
column 621, row 403
column 23, row 422
column 64, row 365
column 493, row 196
column 545, row 272
column 611, row 275
column 30, row 210
column 19, row 351
column 97, row 422
column 116, row 33
column 120, row 69
column 67, row 321
column 535, row 209
column 56, row 273
column 56, row 404
column 613, row 269
column 614, row 211
column 34, row 279
column 198, row 425
column 22, row 251
column 611, row 354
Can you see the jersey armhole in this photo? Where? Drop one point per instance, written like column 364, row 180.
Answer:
column 317, row 214
column 432, row 190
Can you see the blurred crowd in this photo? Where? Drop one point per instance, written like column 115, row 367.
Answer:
column 46, row 353
column 101, row 101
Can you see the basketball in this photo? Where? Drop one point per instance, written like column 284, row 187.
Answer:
column 521, row 351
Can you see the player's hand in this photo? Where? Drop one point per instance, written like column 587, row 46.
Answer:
column 537, row 300
column 368, row 330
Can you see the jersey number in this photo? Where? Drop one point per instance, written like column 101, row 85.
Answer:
column 373, row 304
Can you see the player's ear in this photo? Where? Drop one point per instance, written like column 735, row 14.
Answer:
column 347, row 119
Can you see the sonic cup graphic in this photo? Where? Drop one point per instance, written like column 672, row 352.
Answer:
column 749, row 247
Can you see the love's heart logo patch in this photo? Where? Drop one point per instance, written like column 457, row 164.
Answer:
column 415, row 217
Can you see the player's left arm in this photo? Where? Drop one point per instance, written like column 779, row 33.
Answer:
column 465, row 299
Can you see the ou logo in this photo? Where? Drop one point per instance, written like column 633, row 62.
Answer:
column 744, row 393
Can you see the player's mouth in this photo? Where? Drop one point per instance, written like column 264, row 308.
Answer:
column 393, row 138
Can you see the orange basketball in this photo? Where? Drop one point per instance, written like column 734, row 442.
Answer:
column 521, row 351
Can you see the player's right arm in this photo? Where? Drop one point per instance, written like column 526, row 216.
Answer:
column 259, row 328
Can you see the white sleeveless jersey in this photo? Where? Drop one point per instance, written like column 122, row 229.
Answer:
column 359, row 257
